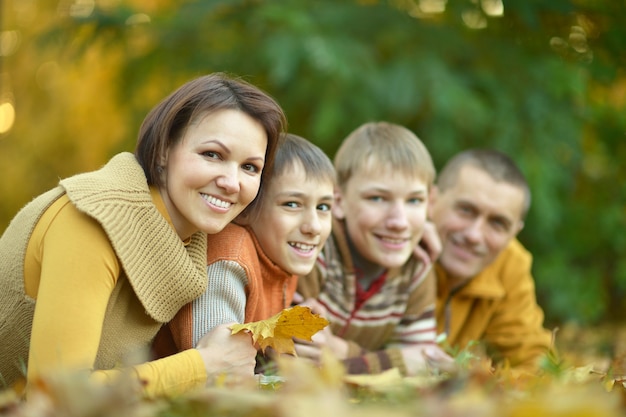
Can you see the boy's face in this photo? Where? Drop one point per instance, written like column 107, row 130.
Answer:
column 295, row 220
column 476, row 219
column 384, row 213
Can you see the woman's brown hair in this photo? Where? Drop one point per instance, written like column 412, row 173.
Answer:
column 165, row 124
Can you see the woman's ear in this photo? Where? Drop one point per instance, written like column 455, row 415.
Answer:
column 161, row 167
column 163, row 157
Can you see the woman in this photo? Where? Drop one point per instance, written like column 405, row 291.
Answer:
column 91, row 269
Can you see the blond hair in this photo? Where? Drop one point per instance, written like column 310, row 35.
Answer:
column 383, row 146
column 293, row 150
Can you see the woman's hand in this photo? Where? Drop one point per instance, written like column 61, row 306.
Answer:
column 228, row 354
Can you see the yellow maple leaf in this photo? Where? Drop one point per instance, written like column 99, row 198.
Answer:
column 278, row 331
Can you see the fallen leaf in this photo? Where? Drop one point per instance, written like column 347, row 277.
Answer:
column 384, row 381
column 278, row 331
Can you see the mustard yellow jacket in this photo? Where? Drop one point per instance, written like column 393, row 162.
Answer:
column 497, row 307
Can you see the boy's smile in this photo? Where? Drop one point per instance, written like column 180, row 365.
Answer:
column 295, row 221
column 384, row 213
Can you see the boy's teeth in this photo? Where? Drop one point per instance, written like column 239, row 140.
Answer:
column 302, row 246
column 393, row 240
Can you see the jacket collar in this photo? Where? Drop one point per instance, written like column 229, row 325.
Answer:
column 484, row 285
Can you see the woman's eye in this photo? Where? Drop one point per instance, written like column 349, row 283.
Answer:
column 415, row 200
column 211, row 154
column 251, row 168
column 375, row 198
column 291, row 204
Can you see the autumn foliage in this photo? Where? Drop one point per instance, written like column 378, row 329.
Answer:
column 575, row 383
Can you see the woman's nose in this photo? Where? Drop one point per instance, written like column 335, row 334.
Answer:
column 229, row 180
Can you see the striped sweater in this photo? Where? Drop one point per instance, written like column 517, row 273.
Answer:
column 397, row 313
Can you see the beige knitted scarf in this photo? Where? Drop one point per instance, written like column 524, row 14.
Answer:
column 164, row 274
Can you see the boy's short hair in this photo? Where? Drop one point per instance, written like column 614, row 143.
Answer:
column 382, row 145
column 295, row 150
column 496, row 164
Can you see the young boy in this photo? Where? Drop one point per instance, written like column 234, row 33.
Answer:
column 377, row 295
column 253, row 266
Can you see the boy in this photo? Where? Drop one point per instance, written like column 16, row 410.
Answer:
column 253, row 266
column 378, row 297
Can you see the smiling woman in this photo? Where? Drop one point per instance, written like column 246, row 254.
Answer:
column 93, row 268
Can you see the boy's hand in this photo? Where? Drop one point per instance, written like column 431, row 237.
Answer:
column 429, row 247
column 422, row 358
column 315, row 306
column 322, row 339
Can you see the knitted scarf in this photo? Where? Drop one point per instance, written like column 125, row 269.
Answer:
column 159, row 276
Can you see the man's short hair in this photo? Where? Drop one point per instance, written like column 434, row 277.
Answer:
column 496, row 164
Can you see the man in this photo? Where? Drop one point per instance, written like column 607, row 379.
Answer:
column 485, row 288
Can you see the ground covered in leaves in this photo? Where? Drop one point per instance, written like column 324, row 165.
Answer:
column 584, row 379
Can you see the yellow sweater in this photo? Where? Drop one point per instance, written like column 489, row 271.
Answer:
column 102, row 270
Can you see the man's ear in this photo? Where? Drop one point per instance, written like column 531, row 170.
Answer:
column 520, row 226
column 338, row 211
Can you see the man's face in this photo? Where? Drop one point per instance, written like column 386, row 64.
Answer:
column 476, row 219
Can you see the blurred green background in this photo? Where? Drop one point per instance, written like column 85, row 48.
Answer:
column 543, row 80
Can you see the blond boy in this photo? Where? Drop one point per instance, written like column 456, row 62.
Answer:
column 378, row 296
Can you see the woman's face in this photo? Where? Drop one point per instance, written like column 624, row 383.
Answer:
column 214, row 171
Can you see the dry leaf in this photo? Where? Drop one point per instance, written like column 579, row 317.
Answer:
column 278, row 331
column 384, row 381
